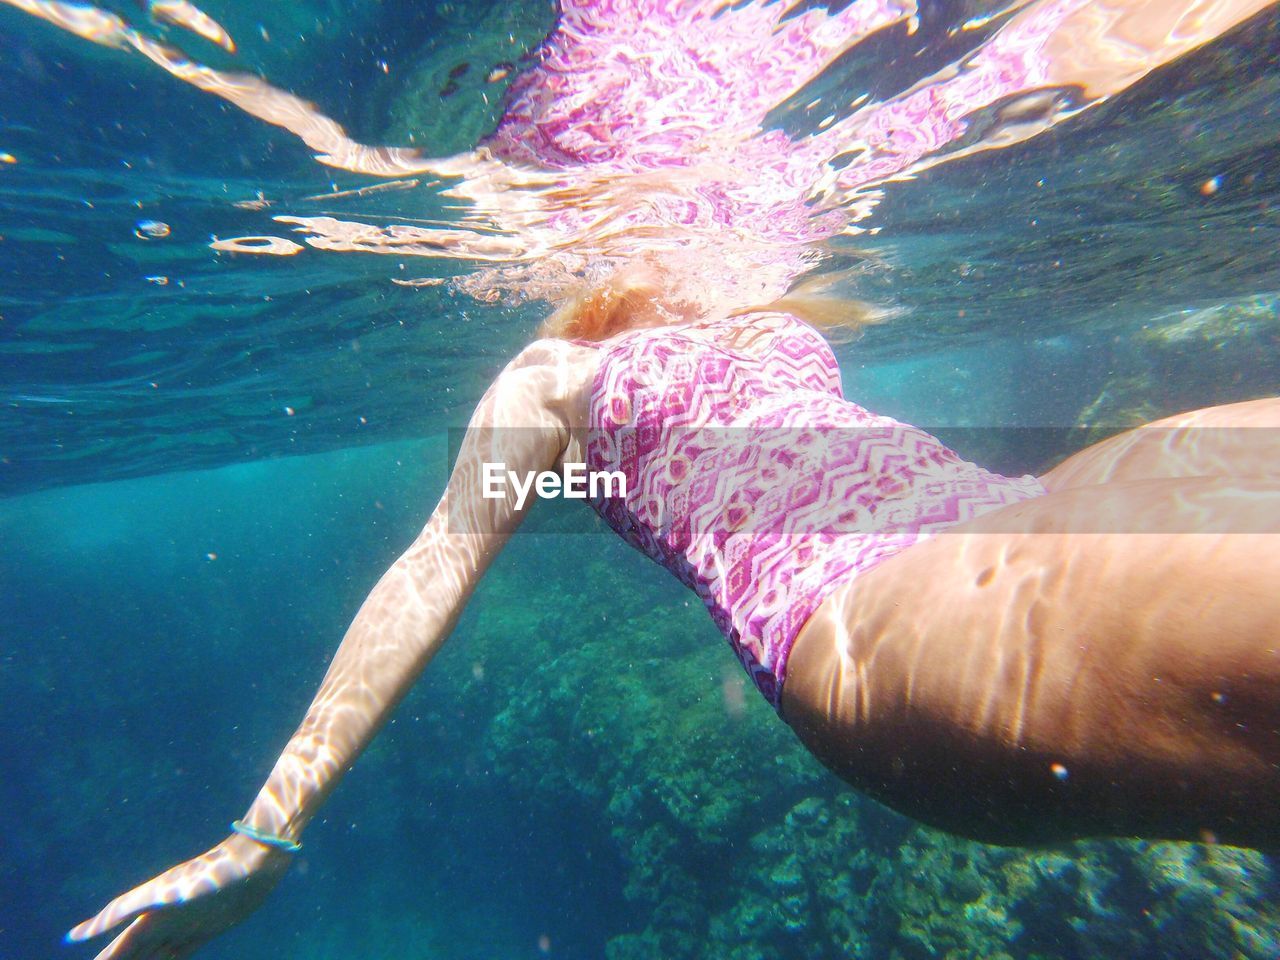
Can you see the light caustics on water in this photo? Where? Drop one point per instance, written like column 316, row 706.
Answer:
column 641, row 131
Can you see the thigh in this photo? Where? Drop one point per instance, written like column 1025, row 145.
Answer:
column 1233, row 440
column 1025, row 678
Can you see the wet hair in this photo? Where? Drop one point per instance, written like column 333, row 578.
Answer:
column 635, row 296
column 597, row 314
column 640, row 296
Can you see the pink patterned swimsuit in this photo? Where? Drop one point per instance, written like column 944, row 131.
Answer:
column 757, row 484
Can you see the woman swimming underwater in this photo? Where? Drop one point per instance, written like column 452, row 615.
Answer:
column 1013, row 659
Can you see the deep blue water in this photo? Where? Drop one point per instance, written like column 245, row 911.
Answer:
column 153, row 685
column 179, row 553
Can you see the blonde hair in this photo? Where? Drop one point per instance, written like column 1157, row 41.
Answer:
column 638, row 295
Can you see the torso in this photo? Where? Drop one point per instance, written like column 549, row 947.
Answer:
column 581, row 361
column 753, row 481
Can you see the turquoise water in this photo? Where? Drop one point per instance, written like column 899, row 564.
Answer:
column 203, row 477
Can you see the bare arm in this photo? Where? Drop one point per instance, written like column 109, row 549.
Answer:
column 523, row 421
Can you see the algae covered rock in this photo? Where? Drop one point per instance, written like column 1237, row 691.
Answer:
column 1193, row 358
column 624, row 709
column 1212, row 902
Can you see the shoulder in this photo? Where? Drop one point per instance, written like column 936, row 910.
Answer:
column 553, row 353
column 554, row 375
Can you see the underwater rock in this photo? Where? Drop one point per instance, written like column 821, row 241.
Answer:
column 734, row 843
column 1123, row 403
column 1214, row 902
column 1192, row 358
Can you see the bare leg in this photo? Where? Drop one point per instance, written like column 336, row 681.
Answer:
column 1232, row 440
column 1028, row 685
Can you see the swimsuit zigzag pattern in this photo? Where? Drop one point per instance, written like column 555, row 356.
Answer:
column 752, row 480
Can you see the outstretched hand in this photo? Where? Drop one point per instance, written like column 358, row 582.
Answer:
column 175, row 913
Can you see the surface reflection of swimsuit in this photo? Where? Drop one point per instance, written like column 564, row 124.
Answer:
column 752, row 480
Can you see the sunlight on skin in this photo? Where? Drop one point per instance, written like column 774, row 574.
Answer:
column 997, row 655
column 1238, row 439
column 413, row 608
column 529, row 419
column 1110, row 649
column 173, row 914
column 397, row 631
column 1073, row 658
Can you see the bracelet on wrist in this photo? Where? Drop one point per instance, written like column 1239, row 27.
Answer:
column 267, row 839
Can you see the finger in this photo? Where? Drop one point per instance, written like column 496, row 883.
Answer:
column 124, row 907
column 175, row 885
column 148, row 938
column 127, row 943
column 151, row 936
column 117, row 911
column 194, row 878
